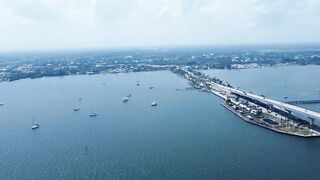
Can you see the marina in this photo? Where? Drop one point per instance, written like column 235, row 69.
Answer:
column 246, row 105
column 274, row 126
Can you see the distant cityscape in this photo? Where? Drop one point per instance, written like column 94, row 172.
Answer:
column 15, row 66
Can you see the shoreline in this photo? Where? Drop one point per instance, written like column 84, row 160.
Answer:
column 265, row 126
column 162, row 68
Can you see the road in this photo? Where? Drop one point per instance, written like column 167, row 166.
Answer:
column 295, row 109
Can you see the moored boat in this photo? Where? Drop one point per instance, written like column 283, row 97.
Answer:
column 35, row 126
column 93, row 114
column 76, row 109
column 154, row 103
column 125, row 99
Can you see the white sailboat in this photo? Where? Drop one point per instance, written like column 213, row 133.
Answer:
column 154, row 103
column 77, row 108
column 34, row 125
column 125, row 99
column 93, row 114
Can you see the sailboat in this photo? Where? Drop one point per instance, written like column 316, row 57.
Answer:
column 34, row 125
column 125, row 99
column 154, row 103
column 77, row 108
column 93, row 114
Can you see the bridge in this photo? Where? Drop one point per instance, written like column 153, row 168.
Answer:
column 223, row 91
column 299, row 112
column 303, row 102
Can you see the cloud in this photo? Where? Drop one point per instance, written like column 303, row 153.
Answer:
column 108, row 23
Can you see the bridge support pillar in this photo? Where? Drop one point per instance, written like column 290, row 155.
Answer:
column 311, row 121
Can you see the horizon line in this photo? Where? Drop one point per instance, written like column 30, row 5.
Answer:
column 163, row 47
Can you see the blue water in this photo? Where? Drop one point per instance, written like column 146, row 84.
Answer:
column 189, row 135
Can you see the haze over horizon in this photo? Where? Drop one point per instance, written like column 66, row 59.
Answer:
column 59, row 24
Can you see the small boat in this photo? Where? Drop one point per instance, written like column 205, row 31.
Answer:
column 286, row 97
column 129, row 95
column 125, row 99
column 76, row 109
column 151, row 87
column 93, row 114
column 154, row 103
column 80, row 99
column 35, row 126
column 1, row 104
column 138, row 84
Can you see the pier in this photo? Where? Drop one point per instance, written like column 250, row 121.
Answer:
column 299, row 112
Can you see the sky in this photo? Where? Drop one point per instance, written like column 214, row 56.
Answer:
column 72, row 24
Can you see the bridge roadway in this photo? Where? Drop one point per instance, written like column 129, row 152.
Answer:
column 295, row 109
column 303, row 102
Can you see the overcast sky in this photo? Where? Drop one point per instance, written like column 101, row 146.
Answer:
column 59, row 24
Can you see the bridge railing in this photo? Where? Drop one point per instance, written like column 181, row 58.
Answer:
column 303, row 102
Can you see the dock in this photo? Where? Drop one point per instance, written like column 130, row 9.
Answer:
column 259, row 123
